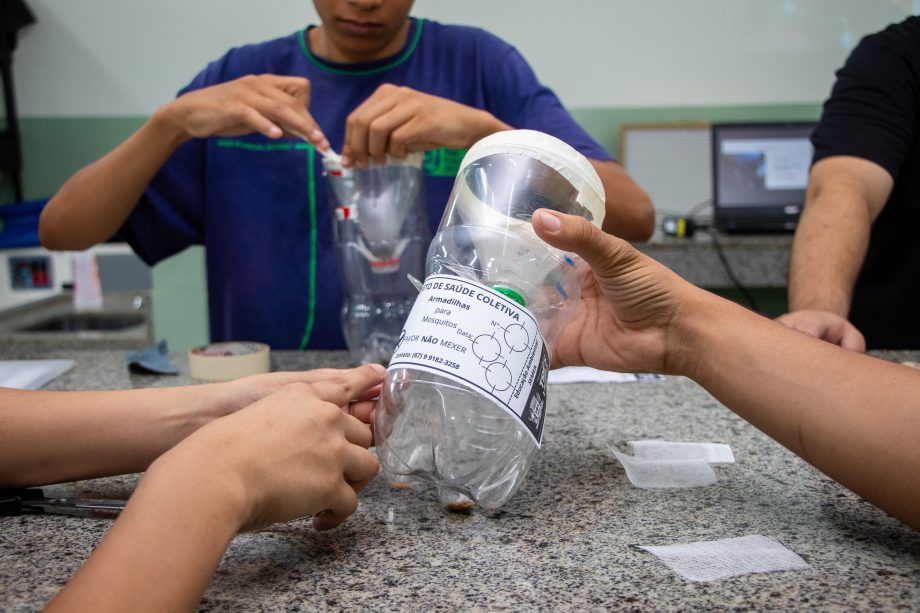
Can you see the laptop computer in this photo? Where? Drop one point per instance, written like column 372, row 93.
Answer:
column 759, row 175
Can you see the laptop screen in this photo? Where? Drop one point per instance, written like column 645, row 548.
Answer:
column 760, row 171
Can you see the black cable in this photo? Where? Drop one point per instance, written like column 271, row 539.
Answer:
column 685, row 214
column 745, row 292
column 717, row 246
column 693, row 224
column 700, row 206
column 683, row 224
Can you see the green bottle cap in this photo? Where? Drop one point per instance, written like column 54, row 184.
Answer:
column 510, row 293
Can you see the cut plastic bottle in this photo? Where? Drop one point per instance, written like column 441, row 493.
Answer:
column 464, row 399
column 381, row 234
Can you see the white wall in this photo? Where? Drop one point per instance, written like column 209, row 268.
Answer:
column 126, row 57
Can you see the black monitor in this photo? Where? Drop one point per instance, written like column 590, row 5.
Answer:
column 759, row 173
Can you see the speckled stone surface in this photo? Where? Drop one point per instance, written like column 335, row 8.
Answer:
column 757, row 260
column 566, row 541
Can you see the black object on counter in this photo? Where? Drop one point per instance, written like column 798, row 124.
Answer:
column 33, row 501
column 153, row 359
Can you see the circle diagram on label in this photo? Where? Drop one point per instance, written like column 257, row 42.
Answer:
column 481, row 340
column 487, row 348
column 498, row 376
column 516, row 338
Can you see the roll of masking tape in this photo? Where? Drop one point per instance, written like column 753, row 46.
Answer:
column 232, row 360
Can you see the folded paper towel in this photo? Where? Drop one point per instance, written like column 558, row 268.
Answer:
column 724, row 558
column 659, row 464
column 31, row 374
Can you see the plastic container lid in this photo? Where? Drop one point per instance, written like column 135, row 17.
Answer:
column 556, row 154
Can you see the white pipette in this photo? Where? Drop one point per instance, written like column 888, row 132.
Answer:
column 329, row 154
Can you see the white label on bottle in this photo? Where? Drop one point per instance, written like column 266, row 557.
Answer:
column 476, row 336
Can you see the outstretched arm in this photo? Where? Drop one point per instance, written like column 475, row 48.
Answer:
column 93, row 204
column 292, row 454
column 854, row 417
column 51, row 437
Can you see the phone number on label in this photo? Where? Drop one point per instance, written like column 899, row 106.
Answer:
column 436, row 359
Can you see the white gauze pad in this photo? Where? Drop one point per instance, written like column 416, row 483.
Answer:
column 713, row 560
column 668, row 474
column 714, row 453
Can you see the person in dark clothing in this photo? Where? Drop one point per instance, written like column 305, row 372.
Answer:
column 853, row 277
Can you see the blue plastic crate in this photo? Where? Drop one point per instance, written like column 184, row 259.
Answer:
column 19, row 223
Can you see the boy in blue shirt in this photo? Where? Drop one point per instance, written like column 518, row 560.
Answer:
column 223, row 165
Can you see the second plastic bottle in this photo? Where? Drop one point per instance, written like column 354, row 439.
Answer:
column 464, row 398
column 381, row 234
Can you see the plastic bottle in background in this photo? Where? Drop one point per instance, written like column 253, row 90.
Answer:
column 381, row 235
column 87, row 290
column 463, row 401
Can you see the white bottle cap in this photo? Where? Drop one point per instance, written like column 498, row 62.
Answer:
column 556, row 154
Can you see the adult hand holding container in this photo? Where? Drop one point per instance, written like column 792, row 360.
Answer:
column 464, row 398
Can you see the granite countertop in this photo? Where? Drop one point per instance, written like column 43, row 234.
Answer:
column 757, row 260
column 567, row 540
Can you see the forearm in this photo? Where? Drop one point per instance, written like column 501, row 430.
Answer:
column 50, row 437
column 482, row 124
column 94, row 203
column 294, row 453
column 630, row 213
column 163, row 550
column 826, row 257
column 854, row 417
column 845, row 195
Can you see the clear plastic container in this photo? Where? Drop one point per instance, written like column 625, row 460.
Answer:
column 381, row 236
column 464, row 398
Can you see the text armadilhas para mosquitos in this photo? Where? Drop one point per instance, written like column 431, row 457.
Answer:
column 465, row 290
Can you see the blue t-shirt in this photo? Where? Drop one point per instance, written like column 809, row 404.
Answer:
column 260, row 207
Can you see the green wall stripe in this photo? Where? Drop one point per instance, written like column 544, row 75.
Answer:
column 55, row 148
column 604, row 123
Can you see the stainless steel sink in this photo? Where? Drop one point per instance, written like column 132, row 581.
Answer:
column 77, row 322
column 124, row 322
